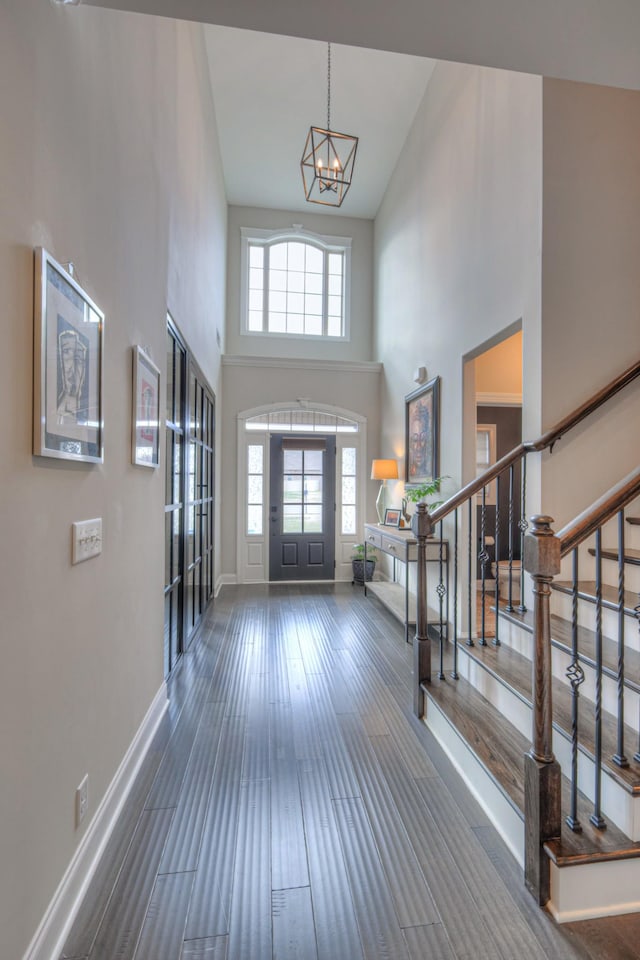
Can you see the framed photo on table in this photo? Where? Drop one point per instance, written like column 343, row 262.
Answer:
column 145, row 446
column 68, row 420
column 392, row 517
column 422, row 433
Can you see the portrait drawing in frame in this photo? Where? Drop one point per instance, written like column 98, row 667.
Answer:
column 422, row 428
column 68, row 366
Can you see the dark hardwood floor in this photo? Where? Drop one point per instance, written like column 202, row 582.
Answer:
column 292, row 807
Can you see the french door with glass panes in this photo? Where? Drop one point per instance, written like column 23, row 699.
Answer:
column 189, row 485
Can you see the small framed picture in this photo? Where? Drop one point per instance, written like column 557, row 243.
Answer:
column 145, row 447
column 68, row 418
column 392, row 517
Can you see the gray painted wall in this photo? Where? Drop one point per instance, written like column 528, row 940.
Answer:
column 109, row 159
column 457, row 248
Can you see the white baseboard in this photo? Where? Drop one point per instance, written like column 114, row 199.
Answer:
column 223, row 580
column 49, row 938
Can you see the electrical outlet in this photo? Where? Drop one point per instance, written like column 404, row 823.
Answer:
column 86, row 541
column 82, row 799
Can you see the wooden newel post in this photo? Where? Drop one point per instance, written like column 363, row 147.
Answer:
column 542, row 778
column 421, row 527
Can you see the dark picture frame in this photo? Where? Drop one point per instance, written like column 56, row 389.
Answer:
column 392, row 517
column 145, row 425
column 422, row 433
column 68, row 420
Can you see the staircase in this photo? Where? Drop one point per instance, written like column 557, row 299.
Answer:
column 541, row 714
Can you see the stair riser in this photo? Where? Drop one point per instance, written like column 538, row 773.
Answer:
column 594, row 890
column 561, row 604
column 560, row 663
column 520, row 640
column 617, row 804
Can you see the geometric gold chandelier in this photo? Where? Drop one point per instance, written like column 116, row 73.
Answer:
column 327, row 159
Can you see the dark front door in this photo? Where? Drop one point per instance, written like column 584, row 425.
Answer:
column 302, row 508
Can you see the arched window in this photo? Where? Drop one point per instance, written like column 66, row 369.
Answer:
column 294, row 284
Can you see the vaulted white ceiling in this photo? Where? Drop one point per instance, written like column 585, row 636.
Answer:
column 268, row 90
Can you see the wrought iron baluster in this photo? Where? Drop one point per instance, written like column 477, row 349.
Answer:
column 454, row 672
column 636, row 755
column 511, row 523
column 470, row 501
column 483, row 556
column 523, row 529
column 575, row 675
column 596, row 817
column 441, row 591
column 496, row 554
column 619, row 756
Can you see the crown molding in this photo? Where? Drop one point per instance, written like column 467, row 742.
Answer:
column 290, row 363
column 498, row 399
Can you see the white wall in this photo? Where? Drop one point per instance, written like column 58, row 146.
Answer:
column 358, row 347
column 109, row 158
column 590, row 290
column 457, row 245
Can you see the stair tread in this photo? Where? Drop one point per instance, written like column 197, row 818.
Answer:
column 611, row 553
column 587, row 591
column 634, row 520
column 501, row 748
column 514, row 670
column 561, row 638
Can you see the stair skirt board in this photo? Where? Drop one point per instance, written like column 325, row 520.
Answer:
column 619, row 806
column 588, row 891
column 503, row 815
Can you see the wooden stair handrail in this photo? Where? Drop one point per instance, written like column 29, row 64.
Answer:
column 580, row 413
column 471, row 488
column 544, row 442
column 604, row 508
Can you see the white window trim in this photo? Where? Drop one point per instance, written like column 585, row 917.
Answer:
column 245, row 572
column 296, row 232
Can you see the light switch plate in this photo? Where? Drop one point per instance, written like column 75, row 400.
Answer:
column 86, row 540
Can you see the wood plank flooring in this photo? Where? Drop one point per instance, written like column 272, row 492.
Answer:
column 292, row 807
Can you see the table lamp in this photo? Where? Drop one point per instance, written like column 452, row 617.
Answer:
column 383, row 470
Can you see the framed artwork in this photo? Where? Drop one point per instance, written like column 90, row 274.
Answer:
column 392, row 517
column 68, row 420
column 422, row 432
column 145, row 447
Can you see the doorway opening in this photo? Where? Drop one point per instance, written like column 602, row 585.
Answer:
column 492, row 428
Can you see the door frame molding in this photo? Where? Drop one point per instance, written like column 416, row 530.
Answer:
column 258, row 572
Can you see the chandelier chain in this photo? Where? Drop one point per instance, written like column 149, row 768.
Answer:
column 329, row 86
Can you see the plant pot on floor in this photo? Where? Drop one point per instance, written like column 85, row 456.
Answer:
column 360, row 574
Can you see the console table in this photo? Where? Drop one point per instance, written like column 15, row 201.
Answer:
column 403, row 547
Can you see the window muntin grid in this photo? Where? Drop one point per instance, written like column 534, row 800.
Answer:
column 311, row 421
column 302, row 491
column 348, row 499
column 295, row 286
column 255, row 489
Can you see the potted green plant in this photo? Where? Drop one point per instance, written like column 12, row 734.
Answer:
column 422, row 492
column 360, row 574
